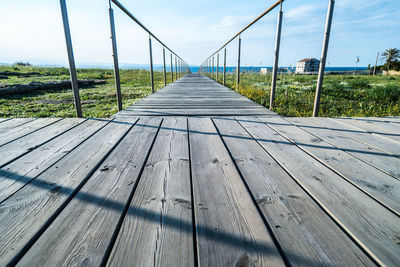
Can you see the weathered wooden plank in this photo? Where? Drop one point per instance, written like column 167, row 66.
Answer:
column 193, row 112
column 291, row 213
column 383, row 144
column 372, row 226
column 28, row 143
column 371, row 180
column 9, row 124
column 190, row 107
column 159, row 217
column 27, row 127
column 383, row 129
column 82, row 232
column 377, row 158
column 4, row 119
column 29, row 210
column 26, row 168
column 230, row 231
column 395, row 120
column 195, row 96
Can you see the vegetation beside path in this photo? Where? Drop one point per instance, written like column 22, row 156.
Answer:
column 342, row 95
column 98, row 101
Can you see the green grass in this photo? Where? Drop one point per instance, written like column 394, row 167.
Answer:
column 342, row 95
column 97, row 102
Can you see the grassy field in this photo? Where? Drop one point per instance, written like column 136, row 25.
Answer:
column 98, row 101
column 342, row 95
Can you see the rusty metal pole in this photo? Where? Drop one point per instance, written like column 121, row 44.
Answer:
column 324, row 54
column 238, row 65
column 276, row 58
column 165, row 69
column 71, row 60
column 151, row 65
column 224, row 66
column 217, row 66
column 115, row 56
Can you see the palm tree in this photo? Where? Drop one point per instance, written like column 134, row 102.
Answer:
column 390, row 55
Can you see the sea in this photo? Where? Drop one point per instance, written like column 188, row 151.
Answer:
column 194, row 69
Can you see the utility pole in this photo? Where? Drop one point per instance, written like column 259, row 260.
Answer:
column 376, row 63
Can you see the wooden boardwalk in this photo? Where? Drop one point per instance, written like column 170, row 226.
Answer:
column 246, row 188
column 195, row 95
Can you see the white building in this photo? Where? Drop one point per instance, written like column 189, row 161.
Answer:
column 264, row 70
column 307, row 65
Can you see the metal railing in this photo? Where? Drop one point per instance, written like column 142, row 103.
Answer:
column 208, row 64
column 181, row 67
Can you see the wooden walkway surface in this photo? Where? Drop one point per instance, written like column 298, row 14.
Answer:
column 195, row 95
column 256, row 190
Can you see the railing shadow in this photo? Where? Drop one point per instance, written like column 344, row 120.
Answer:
column 226, row 238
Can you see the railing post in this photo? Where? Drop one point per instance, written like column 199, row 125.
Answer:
column 151, row 65
column 217, row 66
column 115, row 56
column 172, row 70
column 323, row 57
column 276, row 58
column 165, row 69
column 176, row 69
column 213, row 75
column 224, row 66
column 238, row 65
column 71, row 60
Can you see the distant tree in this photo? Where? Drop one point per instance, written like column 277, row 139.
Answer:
column 20, row 63
column 390, row 56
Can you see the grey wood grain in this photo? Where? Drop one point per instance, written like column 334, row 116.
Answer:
column 305, row 232
column 4, row 119
column 192, row 112
column 82, row 232
column 372, row 226
column 194, row 95
column 373, row 181
column 7, row 124
column 230, row 231
column 377, row 158
column 28, row 126
column 26, row 168
column 386, row 145
column 26, row 212
column 32, row 141
column 159, row 217
column 383, row 129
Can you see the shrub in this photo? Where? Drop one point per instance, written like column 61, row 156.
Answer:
column 383, row 93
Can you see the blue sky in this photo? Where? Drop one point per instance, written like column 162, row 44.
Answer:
column 32, row 30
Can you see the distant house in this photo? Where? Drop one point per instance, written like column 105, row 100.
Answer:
column 307, row 65
column 264, row 70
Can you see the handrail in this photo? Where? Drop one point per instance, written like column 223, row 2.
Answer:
column 249, row 25
column 207, row 65
column 183, row 66
column 118, row 4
